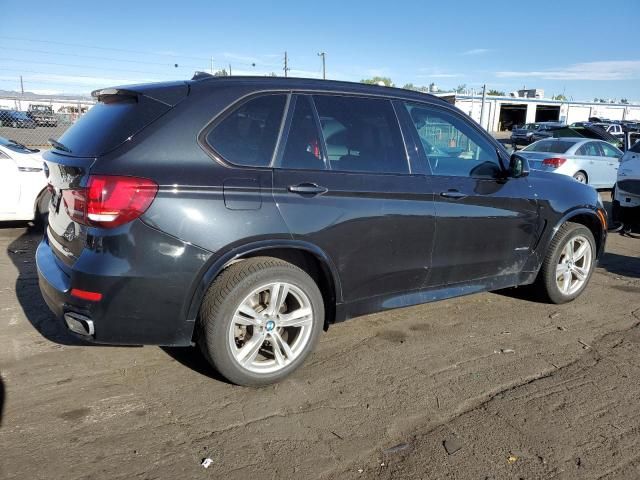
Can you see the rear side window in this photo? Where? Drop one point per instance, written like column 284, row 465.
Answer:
column 589, row 149
column 247, row 136
column 550, row 146
column 361, row 134
column 303, row 142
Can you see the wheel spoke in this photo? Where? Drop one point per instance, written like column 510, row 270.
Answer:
column 277, row 295
column 566, row 281
column 580, row 273
column 561, row 269
column 281, row 350
column 245, row 315
column 568, row 250
column 580, row 252
column 249, row 351
column 297, row 318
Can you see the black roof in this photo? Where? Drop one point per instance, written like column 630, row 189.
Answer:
column 295, row 83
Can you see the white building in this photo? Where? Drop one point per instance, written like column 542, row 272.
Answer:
column 501, row 113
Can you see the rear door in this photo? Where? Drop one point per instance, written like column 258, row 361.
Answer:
column 343, row 182
column 486, row 225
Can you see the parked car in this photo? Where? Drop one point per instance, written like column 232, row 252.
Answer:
column 626, row 195
column 43, row 115
column 532, row 132
column 613, row 129
column 247, row 214
column 16, row 119
column 588, row 161
column 23, row 192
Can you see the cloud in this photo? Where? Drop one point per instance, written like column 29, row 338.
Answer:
column 476, row 51
column 605, row 70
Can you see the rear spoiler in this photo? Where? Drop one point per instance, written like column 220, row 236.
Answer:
column 168, row 93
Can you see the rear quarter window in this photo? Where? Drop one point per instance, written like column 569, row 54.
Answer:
column 550, row 146
column 248, row 134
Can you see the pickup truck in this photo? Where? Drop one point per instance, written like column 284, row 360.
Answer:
column 43, row 115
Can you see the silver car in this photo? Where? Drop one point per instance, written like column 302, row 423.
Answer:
column 588, row 161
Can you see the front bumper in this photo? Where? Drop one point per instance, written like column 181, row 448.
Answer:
column 146, row 279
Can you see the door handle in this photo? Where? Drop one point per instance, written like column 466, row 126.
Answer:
column 455, row 194
column 308, row 189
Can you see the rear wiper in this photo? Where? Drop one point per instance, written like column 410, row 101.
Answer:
column 56, row 144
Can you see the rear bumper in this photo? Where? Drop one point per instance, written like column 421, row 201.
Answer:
column 145, row 278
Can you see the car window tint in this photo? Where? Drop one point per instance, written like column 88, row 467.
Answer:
column 361, row 134
column 303, row 142
column 550, row 146
column 247, row 136
column 610, row 151
column 452, row 146
column 589, row 149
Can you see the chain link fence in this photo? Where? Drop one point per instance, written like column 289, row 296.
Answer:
column 33, row 122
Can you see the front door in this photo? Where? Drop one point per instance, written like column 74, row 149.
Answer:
column 343, row 182
column 9, row 184
column 486, row 224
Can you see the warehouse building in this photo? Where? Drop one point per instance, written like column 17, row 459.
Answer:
column 501, row 113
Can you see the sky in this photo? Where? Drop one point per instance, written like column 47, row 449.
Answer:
column 583, row 49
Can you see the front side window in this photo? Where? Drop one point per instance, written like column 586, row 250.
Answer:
column 248, row 135
column 451, row 146
column 610, row 151
column 303, row 142
column 361, row 134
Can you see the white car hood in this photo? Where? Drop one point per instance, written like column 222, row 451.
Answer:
column 26, row 160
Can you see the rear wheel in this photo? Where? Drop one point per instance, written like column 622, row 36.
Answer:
column 569, row 263
column 259, row 320
column 580, row 177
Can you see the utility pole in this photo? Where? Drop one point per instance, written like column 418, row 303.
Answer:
column 484, row 99
column 286, row 65
column 229, row 69
column 211, row 65
column 324, row 69
column 21, row 86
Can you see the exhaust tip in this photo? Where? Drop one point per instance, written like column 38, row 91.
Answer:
column 79, row 324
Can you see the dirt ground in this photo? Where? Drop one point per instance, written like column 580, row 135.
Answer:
column 493, row 385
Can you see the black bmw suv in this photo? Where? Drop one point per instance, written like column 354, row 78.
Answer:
column 247, row 214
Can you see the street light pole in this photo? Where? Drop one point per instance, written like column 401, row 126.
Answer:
column 324, row 67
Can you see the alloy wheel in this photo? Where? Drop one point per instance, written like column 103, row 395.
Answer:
column 574, row 265
column 271, row 327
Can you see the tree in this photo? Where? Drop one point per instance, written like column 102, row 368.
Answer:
column 624, row 100
column 560, row 97
column 461, row 88
column 386, row 81
column 496, row 93
column 221, row 73
column 410, row 86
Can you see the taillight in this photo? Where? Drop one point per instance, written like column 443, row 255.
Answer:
column 554, row 162
column 109, row 201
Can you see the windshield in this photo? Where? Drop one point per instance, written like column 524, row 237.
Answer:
column 549, row 146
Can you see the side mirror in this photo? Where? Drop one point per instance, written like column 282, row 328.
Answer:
column 518, row 166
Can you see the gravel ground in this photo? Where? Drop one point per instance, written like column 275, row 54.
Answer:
column 510, row 387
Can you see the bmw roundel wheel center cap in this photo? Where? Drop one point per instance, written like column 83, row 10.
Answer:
column 270, row 325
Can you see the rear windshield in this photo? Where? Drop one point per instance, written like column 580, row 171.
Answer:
column 549, row 146
column 106, row 125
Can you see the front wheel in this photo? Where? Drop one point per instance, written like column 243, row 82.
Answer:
column 259, row 320
column 569, row 263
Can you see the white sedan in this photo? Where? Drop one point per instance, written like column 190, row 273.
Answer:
column 626, row 195
column 23, row 183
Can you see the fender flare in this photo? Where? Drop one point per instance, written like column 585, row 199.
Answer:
column 567, row 217
column 220, row 262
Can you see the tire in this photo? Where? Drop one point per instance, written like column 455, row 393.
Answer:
column 242, row 293
column 581, row 177
column 556, row 257
column 41, row 217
